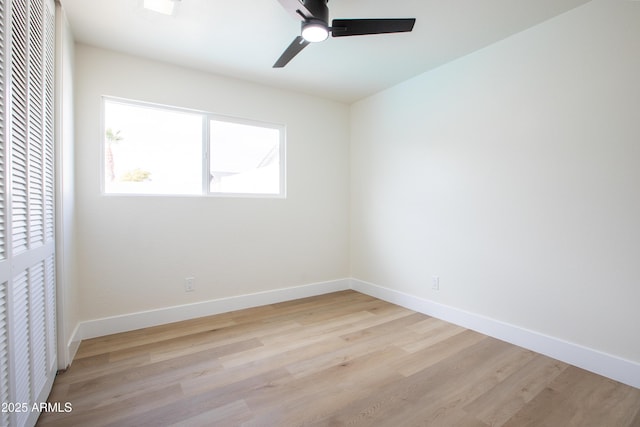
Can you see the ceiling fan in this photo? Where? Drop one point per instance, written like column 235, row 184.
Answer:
column 314, row 15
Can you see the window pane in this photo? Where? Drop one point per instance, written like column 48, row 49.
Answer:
column 244, row 159
column 151, row 150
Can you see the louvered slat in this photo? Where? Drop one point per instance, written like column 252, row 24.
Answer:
column 3, row 135
column 49, row 135
column 50, row 290
column 49, row 186
column 19, row 126
column 22, row 348
column 37, row 329
column 4, row 352
column 35, row 163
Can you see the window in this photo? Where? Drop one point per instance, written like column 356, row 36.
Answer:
column 149, row 149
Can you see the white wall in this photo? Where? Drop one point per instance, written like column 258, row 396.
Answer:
column 513, row 174
column 134, row 252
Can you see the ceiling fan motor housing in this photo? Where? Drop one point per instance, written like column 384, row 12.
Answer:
column 318, row 9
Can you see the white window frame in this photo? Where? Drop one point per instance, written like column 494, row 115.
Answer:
column 207, row 117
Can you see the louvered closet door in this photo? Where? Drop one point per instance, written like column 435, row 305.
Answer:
column 27, row 263
column 4, row 270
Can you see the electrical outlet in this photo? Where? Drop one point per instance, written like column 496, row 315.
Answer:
column 435, row 283
column 189, row 284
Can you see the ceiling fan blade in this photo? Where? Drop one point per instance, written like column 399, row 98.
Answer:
column 361, row 27
column 297, row 9
column 294, row 48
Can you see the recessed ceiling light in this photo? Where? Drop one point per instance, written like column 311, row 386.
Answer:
column 166, row 7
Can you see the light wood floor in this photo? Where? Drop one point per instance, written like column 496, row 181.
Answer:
column 343, row 359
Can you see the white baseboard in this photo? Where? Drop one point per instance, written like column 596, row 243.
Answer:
column 616, row 368
column 144, row 319
column 67, row 349
column 72, row 348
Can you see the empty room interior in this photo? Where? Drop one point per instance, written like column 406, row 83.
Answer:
column 209, row 217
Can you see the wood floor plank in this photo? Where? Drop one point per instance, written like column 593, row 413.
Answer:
column 115, row 413
column 561, row 402
column 349, row 350
column 97, row 391
column 515, row 391
column 434, row 336
column 139, row 337
column 312, row 398
column 434, row 395
column 234, row 413
column 440, row 351
column 183, row 408
column 94, row 366
column 230, row 375
column 332, row 360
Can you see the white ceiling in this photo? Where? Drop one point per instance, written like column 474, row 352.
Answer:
column 244, row 38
